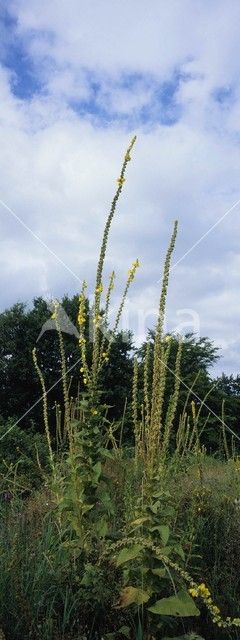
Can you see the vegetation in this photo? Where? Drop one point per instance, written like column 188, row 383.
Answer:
column 116, row 522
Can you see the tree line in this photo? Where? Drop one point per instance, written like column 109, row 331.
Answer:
column 19, row 385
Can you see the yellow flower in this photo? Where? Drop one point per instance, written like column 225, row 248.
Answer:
column 94, row 412
column 236, row 622
column 193, row 592
column 203, row 590
column 82, row 370
column 99, row 289
column 215, row 609
column 54, row 316
column 85, row 380
column 121, row 180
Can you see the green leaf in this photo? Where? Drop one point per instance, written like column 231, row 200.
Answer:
column 165, row 551
column 159, row 572
column 180, row 605
column 179, row 550
column 102, row 528
column 154, row 507
column 164, row 532
column 87, row 507
column 106, row 453
column 132, row 595
column 127, row 554
column 139, row 521
column 124, row 631
column 97, row 471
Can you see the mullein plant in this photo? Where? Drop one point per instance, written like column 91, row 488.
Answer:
column 82, row 430
column 85, row 508
column 154, row 427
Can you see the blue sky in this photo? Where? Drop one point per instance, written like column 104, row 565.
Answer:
column 77, row 80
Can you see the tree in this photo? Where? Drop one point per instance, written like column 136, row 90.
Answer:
column 19, row 385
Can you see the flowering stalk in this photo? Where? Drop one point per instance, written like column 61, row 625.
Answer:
column 82, row 317
column 103, row 354
column 67, row 421
column 135, row 408
column 159, row 370
column 45, row 405
column 130, row 278
column 146, row 372
column 172, row 403
column 98, row 287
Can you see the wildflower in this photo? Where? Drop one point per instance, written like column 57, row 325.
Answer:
column 203, row 590
column 99, row 289
column 82, row 370
column 215, row 609
column 94, row 412
column 81, row 319
column 132, row 270
column 193, row 592
column 85, row 380
column 121, row 180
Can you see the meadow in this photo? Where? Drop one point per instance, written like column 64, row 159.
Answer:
column 107, row 535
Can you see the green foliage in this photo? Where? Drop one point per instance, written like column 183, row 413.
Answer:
column 19, row 329
column 24, row 457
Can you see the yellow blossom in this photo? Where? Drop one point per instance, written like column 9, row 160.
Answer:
column 215, row 609
column 121, row 180
column 99, row 289
column 193, row 592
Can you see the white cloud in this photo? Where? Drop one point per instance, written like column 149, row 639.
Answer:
column 58, row 168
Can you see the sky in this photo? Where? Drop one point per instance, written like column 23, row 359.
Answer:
column 78, row 80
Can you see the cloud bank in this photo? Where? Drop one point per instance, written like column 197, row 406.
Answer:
column 77, row 80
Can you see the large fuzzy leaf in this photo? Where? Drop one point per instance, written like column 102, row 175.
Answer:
column 179, row 605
